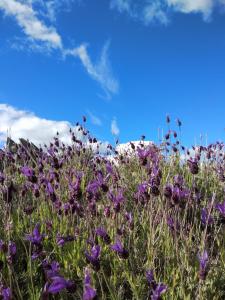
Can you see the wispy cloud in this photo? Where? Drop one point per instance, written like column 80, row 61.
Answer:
column 115, row 128
column 43, row 37
column 121, row 5
column 101, row 71
column 94, row 119
column 162, row 10
column 155, row 12
column 27, row 19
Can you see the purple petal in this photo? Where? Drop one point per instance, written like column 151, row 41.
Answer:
column 89, row 293
column 58, row 284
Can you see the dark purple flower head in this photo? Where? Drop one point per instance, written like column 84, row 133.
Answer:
column 3, row 246
column 29, row 173
column 179, row 122
column 35, row 238
column 203, row 259
column 59, row 283
column 193, row 166
column 53, row 270
column 221, row 208
column 49, row 188
column 50, row 269
column 119, row 249
column 6, row 294
column 150, row 277
column 2, row 177
column 109, row 168
column 203, row 262
column 100, row 231
column 93, row 256
column 143, row 188
column 168, row 191
column 178, row 180
column 12, row 248
column 61, row 240
column 116, row 198
column 89, row 291
column 143, row 154
column 206, row 218
column 172, row 225
column 158, row 291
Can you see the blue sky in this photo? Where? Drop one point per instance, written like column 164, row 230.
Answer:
column 124, row 64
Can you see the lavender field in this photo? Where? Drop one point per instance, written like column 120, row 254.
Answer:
column 143, row 224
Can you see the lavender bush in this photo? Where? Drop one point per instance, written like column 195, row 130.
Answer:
column 148, row 224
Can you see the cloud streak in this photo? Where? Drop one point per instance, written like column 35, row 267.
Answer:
column 46, row 37
column 115, row 128
column 30, row 24
column 101, row 71
column 161, row 10
column 94, row 119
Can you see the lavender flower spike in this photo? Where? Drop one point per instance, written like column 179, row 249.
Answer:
column 203, row 261
column 89, row 292
column 117, row 247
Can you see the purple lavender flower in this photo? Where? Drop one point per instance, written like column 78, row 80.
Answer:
column 168, row 191
column 59, row 283
column 35, row 238
column 100, row 231
column 93, row 256
column 107, row 211
column 61, row 240
column 143, row 155
column 12, row 248
column 2, row 178
column 221, row 208
column 129, row 218
column 6, row 294
column 89, row 291
column 203, row 261
column 3, row 246
column 206, row 218
column 29, row 173
column 117, row 199
column 51, row 270
column 158, row 291
column 150, row 278
column 119, row 249
column 178, row 180
column 193, row 166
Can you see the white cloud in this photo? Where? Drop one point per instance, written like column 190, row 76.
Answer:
column 160, row 10
column 94, row 119
column 127, row 147
column 46, row 38
column 192, row 6
column 154, row 12
column 121, row 5
column 114, row 128
column 16, row 124
column 22, row 124
column 101, row 71
column 30, row 24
